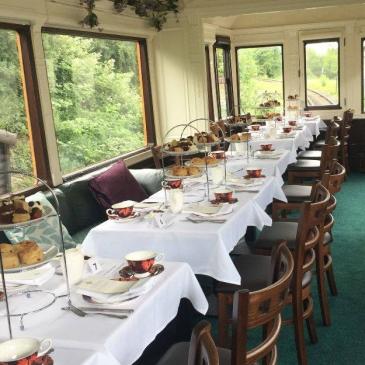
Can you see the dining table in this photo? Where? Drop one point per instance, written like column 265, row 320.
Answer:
column 313, row 123
column 204, row 245
column 99, row 339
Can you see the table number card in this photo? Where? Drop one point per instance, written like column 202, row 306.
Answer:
column 163, row 220
column 93, row 265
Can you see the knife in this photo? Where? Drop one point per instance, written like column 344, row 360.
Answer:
column 106, row 310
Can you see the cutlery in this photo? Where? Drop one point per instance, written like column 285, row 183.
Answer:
column 106, row 310
column 84, row 314
column 206, row 220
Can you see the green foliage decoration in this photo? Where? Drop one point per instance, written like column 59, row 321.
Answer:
column 154, row 10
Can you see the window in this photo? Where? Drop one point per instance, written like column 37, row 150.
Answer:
column 22, row 145
column 223, row 77
column 100, row 96
column 363, row 75
column 322, row 70
column 260, row 77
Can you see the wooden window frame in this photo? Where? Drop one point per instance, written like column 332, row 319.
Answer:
column 362, row 75
column 323, row 107
column 209, row 84
column 224, row 43
column 32, row 102
column 238, row 71
column 149, row 124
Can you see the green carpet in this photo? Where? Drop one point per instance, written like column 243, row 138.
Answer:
column 343, row 342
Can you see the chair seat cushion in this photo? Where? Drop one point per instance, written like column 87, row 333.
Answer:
column 178, row 354
column 327, row 238
column 305, row 165
column 320, row 143
column 297, row 193
column 279, row 231
column 310, row 155
column 255, row 272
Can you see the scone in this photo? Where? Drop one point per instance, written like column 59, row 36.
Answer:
column 10, row 260
column 24, row 245
column 7, row 248
column 197, row 161
column 194, row 171
column 180, row 171
column 31, row 255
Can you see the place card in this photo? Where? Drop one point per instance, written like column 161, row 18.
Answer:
column 164, row 220
column 93, row 265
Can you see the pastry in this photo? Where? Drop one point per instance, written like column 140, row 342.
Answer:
column 6, row 214
column 25, row 245
column 35, row 209
column 7, row 248
column 10, row 260
column 20, row 217
column 180, row 171
column 235, row 137
column 178, row 149
column 31, row 255
column 197, row 161
column 245, row 137
column 193, row 171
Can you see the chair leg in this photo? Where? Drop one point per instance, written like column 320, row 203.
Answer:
column 311, row 327
column 322, row 291
column 299, row 330
column 331, row 281
column 223, row 320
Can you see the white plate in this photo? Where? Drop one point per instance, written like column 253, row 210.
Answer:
column 202, row 166
column 50, row 252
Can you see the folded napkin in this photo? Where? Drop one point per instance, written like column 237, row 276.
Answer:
column 36, row 277
column 124, row 291
column 208, row 210
column 273, row 155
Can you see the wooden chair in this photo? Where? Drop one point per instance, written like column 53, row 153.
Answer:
column 344, row 135
column 331, row 133
column 252, row 309
column 333, row 182
column 303, row 238
column 313, row 169
column 200, row 351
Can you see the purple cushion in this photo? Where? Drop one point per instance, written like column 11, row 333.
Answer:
column 116, row 185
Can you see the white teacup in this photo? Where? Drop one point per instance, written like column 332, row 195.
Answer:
column 22, row 348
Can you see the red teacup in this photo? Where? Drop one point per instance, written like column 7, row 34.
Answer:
column 292, row 123
column 219, row 155
column 287, row 129
column 223, row 196
column 122, row 210
column 174, row 183
column 141, row 262
column 254, row 171
column 266, row 147
column 255, row 127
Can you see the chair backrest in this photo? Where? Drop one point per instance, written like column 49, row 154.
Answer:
column 261, row 308
column 202, row 350
column 332, row 130
column 329, row 153
column 310, row 232
column 334, row 179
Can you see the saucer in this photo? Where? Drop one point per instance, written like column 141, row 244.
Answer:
column 231, row 201
column 118, row 219
column 126, row 273
column 247, row 177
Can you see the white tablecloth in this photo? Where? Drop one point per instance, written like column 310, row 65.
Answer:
column 299, row 141
column 313, row 124
column 270, row 166
column 205, row 246
column 98, row 340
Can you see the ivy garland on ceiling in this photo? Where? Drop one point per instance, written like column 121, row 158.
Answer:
column 155, row 10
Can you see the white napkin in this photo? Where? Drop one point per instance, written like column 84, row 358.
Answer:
column 36, row 277
column 138, row 288
column 209, row 210
column 189, row 197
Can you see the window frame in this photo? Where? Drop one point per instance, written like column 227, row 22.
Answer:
column 224, row 43
column 38, row 144
column 322, row 40
column 238, row 71
column 147, row 100
column 362, row 49
column 209, row 83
